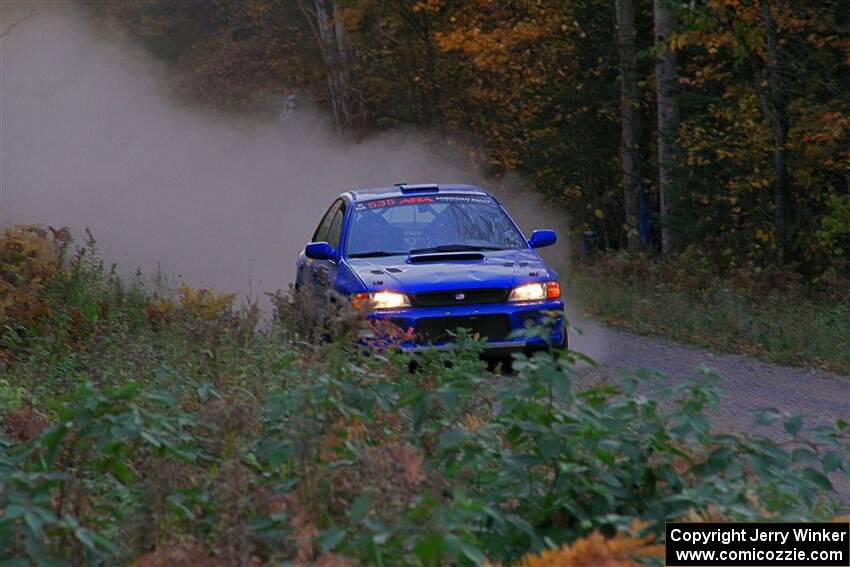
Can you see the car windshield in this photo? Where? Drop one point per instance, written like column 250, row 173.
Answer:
column 432, row 223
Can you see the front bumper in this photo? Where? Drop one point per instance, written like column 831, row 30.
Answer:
column 497, row 322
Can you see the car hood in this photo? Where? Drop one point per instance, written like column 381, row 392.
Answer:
column 447, row 271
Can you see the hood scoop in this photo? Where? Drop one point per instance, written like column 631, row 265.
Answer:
column 446, row 257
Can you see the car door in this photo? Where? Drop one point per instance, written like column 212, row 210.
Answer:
column 304, row 274
column 325, row 271
column 319, row 274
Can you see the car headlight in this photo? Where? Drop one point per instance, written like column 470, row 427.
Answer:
column 389, row 300
column 381, row 300
column 536, row 291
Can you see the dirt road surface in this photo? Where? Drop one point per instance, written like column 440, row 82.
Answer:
column 746, row 383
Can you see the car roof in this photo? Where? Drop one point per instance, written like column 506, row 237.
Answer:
column 407, row 189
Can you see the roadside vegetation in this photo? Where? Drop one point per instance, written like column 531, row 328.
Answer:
column 772, row 315
column 150, row 427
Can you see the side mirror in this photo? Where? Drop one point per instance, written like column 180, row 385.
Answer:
column 319, row 251
column 542, row 238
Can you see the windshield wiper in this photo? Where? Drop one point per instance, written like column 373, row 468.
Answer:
column 453, row 248
column 375, row 254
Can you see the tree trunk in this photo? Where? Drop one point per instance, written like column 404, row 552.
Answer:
column 668, row 116
column 630, row 117
column 329, row 32
column 434, row 91
column 777, row 115
column 343, row 64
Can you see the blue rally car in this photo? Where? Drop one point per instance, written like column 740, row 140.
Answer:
column 435, row 258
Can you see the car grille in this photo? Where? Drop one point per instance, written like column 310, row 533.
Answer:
column 460, row 297
column 436, row 329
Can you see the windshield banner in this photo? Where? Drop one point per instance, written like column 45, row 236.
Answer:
column 415, row 200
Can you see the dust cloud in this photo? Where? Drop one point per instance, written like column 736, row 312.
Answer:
column 90, row 137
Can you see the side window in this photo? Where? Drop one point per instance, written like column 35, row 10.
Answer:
column 336, row 227
column 321, row 234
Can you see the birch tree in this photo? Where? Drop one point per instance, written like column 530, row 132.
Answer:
column 630, row 116
column 667, row 115
column 324, row 18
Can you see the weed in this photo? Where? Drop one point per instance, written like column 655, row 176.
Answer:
column 769, row 316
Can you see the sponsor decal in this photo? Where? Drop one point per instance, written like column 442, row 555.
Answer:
column 417, row 200
column 474, row 199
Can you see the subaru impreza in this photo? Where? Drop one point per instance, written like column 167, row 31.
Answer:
column 432, row 259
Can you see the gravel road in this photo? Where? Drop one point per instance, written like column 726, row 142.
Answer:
column 746, row 383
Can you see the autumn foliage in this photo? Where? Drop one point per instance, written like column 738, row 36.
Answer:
column 203, row 303
column 27, row 264
column 595, row 550
column 48, row 286
column 533, row 88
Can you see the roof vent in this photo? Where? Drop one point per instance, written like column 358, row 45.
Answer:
column 405, row 188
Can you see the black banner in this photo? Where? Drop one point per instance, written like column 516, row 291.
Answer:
column 761, row 544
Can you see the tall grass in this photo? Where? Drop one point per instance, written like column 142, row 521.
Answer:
column 782, row 324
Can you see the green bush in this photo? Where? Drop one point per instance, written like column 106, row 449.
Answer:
column 357, row 456
column 263, row 444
